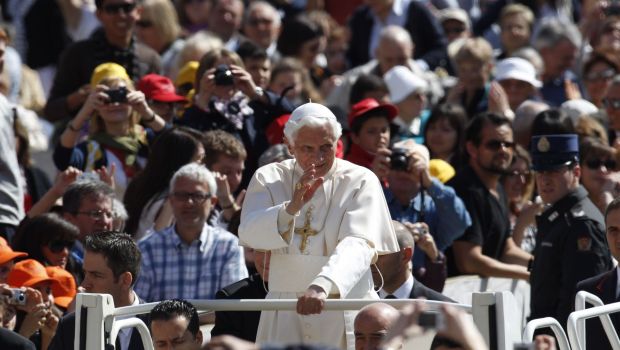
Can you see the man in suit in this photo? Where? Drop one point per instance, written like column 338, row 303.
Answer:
column 393, row 271
column 111, row 266
column 243, row 324
column 605, row 285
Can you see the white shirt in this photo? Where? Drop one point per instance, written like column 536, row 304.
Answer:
column 402, row 292
column 125, row 333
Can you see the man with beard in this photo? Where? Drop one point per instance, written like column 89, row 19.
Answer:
column 570, row 246
column 486, row 248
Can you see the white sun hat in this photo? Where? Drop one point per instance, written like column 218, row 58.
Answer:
column 402, row 82
column 518, row 69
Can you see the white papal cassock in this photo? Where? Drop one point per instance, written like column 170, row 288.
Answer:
column 354, row 224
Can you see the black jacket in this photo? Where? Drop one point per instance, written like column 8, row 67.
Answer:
column 13, row 341
column 426, row 33
column 421, row 291
column 66, row 331
column 241, row 324
column 604, row 287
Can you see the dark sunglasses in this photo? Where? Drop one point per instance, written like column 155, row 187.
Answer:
column 58, row 245
column 112, row 9
column 611, row 103
column 143, row 23
column 595, row 164
column 496, row 145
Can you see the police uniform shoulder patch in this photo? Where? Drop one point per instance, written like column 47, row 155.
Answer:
column 584, row 243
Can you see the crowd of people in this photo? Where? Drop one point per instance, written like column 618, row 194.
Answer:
column 233, row 149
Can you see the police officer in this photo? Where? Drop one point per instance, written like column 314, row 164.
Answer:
column 570, row 245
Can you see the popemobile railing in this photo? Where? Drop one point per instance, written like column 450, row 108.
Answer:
column 576, row 326
column 98, row 321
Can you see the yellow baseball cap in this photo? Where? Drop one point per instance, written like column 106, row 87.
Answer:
column 187, row 74
column 108, row 70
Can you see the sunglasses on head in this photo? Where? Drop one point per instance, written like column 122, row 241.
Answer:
column 597, row 163
column 57, row 246
column 496, row 145
column 116, row 8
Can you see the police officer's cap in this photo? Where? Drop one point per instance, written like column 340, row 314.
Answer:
column 550, row 152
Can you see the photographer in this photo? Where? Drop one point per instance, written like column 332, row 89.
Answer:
column 9, row 339
column 111, row 115
column 228, row 99
column 413, row 196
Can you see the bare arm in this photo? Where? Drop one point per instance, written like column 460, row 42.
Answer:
column 515, row 255
column 470, row 260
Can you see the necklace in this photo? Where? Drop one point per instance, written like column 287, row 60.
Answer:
column 306, row 230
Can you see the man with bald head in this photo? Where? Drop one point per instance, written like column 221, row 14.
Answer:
column 393, row 271
column 372, row 324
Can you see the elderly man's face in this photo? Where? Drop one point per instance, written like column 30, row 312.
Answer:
column 262, row 27
column 226, row 18
column 315, row 145
column 191, row 202
column 391, row 54
column 94, row 215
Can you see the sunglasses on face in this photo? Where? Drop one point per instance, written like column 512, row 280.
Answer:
column 496, row 145
column 613, row 103
column 595, row 164
column 112, row 9
column 57, row 246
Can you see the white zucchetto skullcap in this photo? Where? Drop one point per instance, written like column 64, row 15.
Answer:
column 311, row 109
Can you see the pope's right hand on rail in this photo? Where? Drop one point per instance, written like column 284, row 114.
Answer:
column 303, row 190
column 312, row 302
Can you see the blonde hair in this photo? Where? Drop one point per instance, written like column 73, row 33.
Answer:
column 96, row 123
column 290, row 64
column 475, row 49
column 164, row 17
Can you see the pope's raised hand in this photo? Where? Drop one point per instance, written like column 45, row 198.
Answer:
column 312, row 302
column 303, row 190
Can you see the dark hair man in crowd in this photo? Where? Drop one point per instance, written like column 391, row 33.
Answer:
column 605, row 285
column 571, row 244
column 174, row 325
column 111, row 266
column 112, row 43
column 487, row 248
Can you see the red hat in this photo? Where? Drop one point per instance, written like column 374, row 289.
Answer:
column 370, row 104
column 159, row 88
column 7, row 254
column 66, row 288
column 27, row 273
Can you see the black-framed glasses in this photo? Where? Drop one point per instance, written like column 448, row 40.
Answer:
column 595, row 164
column 196, row 197
column 144, row 23
column 57, row 246
column 96, row 214
column 613, row 103
column 112, row 9
column 496, row 145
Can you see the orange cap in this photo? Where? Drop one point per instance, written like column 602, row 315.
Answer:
column 6, row 252
column 27, row 273
column 64, row 291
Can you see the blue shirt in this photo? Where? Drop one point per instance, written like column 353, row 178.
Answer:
column 444, row 213
column 173, row 269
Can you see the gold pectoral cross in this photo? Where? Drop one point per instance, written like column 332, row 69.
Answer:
column 306, row 231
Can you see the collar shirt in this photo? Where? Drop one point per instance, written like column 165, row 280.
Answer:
column 124, row 335
column 397, row 16
column 403, row 292
column 172, row 268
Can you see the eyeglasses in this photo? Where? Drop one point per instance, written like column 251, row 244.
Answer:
column 196, row 197
column 613, row 103
column 496, row 145
column 112, row 9
column 143, row 23
column 57, row 246
column 255, row 22
column 96, row 214
column 598, row 163
column 602, row 75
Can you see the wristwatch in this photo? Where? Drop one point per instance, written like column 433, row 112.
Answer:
column 259, row 92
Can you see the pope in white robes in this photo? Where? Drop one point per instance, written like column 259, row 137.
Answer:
column 324, row 220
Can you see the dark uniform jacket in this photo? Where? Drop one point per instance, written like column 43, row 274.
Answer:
column 13, row 341
column 241, row 324
column 570, row 247
column 603, row 286
column 421, row 291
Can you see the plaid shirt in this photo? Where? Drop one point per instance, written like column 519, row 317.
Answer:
column 173, row 269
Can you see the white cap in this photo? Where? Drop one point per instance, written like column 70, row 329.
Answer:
column 311, row 109
column 577, row 108
column 307, row 114
column 518, row 69
column 401, row 83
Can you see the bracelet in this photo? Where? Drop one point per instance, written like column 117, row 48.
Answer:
column 70, row 127
column 150, row 120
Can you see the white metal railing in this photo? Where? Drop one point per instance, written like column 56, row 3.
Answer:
column 602, row 312
column 533, row 325
column 103, row 324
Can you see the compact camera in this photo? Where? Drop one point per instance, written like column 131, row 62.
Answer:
column 17, row 297
column 431, row 320
column 223, row 75
column 118, row 95
column 399, row 160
